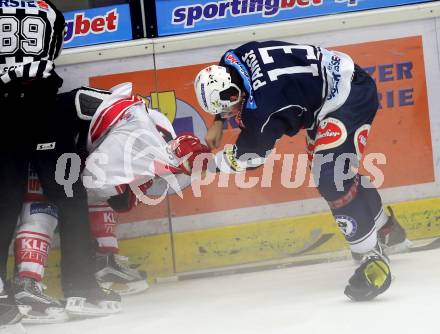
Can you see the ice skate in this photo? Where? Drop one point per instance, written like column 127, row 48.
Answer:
column 392, row 236
column 36, row 306
column 92, row 302
column 372, row 278
column 115, row 272
column 10, row 316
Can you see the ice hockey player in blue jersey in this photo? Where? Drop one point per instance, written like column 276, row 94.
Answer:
column 275, row 88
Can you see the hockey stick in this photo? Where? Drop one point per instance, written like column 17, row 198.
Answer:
column 312, row 245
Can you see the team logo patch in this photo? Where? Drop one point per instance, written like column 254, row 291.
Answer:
column 360, row 139
column 347, row 225
column 45, row 208
column 331, row 133
column 128, row 116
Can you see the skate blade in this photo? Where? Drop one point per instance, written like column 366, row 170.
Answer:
column 126, row 260
column 12, row 329
column 52, row 315
column 79, row 307
column 127, row 289
column 403, row 247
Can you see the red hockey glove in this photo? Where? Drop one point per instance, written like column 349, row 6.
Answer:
column 189, row 146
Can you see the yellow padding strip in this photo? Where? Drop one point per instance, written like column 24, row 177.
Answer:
column 275, row 239
column 252, row 242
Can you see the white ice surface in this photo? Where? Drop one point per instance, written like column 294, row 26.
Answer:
column 298, row 300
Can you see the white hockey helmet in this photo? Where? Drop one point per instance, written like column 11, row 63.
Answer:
column 213, row 86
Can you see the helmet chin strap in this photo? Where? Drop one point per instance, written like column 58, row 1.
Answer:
column 228, row 113
column 237, row 109
column 239, row 92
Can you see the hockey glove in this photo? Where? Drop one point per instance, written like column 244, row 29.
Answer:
column 372, row 278
column 187, row 147
column 127, row 200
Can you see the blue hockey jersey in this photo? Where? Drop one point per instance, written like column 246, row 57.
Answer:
column 288, row 87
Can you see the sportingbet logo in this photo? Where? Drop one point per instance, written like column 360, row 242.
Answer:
column 190, row 15
column 83, row 26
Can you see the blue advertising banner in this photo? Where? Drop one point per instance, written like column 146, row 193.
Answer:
column 98, row 25
column 179, row 17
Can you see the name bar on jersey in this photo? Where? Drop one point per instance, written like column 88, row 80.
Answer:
column 201, row 15
column 23, row 4
column 98, row 25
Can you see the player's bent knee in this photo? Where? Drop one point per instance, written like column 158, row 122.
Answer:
column 333, row 189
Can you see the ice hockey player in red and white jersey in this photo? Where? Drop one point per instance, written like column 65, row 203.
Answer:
column 127, row 149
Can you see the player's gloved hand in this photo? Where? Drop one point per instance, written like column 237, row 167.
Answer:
column 127, row 200
column 188, row 147
column 372, row 278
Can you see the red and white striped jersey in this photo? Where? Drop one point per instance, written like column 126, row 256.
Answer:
column 127, row 143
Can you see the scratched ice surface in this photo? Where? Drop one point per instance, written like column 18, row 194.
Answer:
column 306, row 299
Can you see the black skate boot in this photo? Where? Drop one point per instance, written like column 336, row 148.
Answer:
column 35, row 305
column 115, row 272
column 372, row 278
column 10, row 315
column 392, row 236
column 93, row 301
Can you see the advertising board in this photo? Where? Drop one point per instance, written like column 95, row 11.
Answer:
column 177, row 17
column 98, row 25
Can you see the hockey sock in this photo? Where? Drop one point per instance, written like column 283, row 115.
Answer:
column 103, row 228
column 34, row 237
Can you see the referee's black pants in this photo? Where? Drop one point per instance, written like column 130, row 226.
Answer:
column 34, row 131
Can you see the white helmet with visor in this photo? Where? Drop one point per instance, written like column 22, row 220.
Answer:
column 214, row 89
